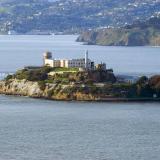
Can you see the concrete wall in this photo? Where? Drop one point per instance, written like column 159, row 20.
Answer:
column 78, row 63
column 49, row 62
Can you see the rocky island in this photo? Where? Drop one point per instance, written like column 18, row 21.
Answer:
column 59, row 82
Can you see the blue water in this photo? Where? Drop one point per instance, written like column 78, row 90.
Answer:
column 47, row 130
column 33, row 129
column 19, row 51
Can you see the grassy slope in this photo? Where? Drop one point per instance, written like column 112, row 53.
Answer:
column 141, row 34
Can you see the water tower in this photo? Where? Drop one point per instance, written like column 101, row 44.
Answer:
column 47, row 55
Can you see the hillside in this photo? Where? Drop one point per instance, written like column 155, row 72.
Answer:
column 25, row 16
column 139, row 34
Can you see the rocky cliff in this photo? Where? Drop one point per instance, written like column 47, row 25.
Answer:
column 143, row 90
column 42, row 83
column 94, row 85
column 50, row 91
column 139, row 34
column 21, row 87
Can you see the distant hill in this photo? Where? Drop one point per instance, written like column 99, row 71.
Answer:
column 139, row 34
column 25, row 16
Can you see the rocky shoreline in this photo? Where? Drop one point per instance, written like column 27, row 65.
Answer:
column 32, row 89
column 97, row 85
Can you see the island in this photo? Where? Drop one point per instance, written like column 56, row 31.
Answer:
column 78, row 80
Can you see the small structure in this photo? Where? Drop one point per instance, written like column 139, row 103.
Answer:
column 84, row 63
column 101, row 66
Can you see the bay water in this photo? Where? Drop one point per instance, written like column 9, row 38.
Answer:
column 18, row 51
column 34, row 129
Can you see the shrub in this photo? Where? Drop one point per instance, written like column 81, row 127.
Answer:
column 49, row 81
column 50, row 93
column 153, row 81
column 89, row 81
column 93, row 89
column 142, row 80
column 33, row 75
column 8, row 77
column 42, row 85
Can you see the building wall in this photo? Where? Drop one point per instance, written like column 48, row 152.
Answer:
column 62, row 63
column 78, row 63
column 49, row 62
column 84, row 63
column 56, row 63
column 66, row 63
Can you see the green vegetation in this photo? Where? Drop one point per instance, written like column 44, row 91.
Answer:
column 42, row 85
column 62, row 69
column 138, row 34
column 64, row 76
column 26, row 16
column 147, row 88
column 33, row 74
column 3, row 10
column 9, row 77
column 96, row 83
column 143, row 88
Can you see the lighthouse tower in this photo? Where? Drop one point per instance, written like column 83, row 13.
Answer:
column 86, row 60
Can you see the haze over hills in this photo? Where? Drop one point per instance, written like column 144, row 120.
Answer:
column 25, row 16
column 138, row 34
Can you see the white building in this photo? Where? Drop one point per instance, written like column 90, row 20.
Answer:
column 84, row 63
